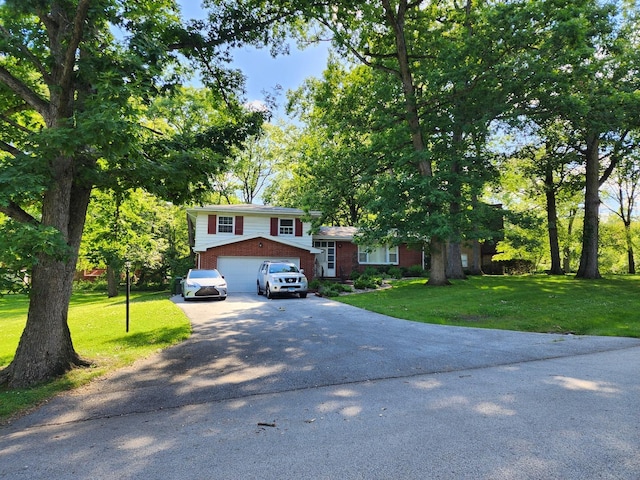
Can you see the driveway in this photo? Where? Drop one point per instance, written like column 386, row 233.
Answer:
column 311, row 388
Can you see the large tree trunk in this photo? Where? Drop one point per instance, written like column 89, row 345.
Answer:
column 45, row 349
column 437, row 275
column 589, row 258
column 552, row 223
column 454, row 268
column 475, row 268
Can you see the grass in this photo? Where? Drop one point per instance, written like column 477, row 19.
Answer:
column 531, row 303
column 97, row 325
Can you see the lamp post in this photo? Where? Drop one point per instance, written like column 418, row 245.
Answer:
column 127, row 266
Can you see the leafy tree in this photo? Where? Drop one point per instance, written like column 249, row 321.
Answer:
column 344, row 143
column 73, row 98
column 623, row 192
column 581, row 74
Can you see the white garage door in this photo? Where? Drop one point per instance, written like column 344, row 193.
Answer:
column 241, row 272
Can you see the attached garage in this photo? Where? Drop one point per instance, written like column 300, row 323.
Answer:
column 241, row 272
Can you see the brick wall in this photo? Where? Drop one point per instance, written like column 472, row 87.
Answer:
column 252, row 248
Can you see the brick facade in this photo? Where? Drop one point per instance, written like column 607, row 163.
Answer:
column 252, row 248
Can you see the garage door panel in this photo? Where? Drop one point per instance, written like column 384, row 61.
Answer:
column 241, row 272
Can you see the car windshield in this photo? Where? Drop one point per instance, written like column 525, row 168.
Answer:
column 282, row 268
column 204, row 274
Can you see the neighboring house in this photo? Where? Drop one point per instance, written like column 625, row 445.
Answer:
column 236, row 239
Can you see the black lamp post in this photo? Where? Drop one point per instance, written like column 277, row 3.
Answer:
column 127, row 266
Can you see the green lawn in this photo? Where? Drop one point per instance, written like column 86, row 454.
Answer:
column 532, row 303
column 97, row 325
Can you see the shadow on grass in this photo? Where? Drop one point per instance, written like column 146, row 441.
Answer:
column 160, row 336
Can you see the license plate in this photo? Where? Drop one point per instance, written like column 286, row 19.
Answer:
column 291, row 289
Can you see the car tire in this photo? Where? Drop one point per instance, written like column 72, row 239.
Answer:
column 303, row 295
column 259, row 291
column 268, row 292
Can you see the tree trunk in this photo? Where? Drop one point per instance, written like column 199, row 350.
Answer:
column 45, row 349
column 552, row 223
column 112, row 282
column 588, row 268
column 476, row 259
column 631, row 263
column 566, row 260
column 454, row 268
column 437, row 275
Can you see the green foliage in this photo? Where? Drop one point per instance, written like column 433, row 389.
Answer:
column 395, row 272
column 414, row 271
column 326, row 288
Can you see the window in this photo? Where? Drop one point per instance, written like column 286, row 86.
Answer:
column 225, row 224
column 378, row 256
column 465, row 260
column 286, row 226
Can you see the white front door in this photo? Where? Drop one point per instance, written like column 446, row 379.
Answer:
column 326, row 259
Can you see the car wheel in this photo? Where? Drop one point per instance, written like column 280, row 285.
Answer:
column 303, row 295
column 222, row 298
column 259, row 291
column 268, row 292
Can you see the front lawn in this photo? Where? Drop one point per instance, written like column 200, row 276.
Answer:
column 97, row 325
column 530, row 303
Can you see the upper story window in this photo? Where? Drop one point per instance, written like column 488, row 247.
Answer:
column 285, row 226
column 225, row 224
column 378, row 256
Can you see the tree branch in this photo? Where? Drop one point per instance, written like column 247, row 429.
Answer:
column 23, row 91
column 15, row 211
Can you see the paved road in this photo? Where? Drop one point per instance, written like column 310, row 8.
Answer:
column 292, row 389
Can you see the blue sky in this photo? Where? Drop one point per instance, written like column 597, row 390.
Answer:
column 264, row 72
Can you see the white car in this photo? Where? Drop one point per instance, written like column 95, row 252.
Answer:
column 281, row 278
column 204, row 284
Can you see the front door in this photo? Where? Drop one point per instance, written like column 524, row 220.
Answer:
column 326, row 260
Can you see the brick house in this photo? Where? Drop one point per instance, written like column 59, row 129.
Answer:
column 235, row 239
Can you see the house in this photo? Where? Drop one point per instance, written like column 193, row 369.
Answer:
column 235, row 239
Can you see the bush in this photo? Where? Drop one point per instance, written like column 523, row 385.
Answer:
column 415, row 271
column 332, row 289
column 98, row 285
column 395, row 272
column 367, row 282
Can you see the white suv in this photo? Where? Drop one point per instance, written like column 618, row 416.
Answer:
column 281, row 278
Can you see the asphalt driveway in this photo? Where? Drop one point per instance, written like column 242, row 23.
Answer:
column 311, row 388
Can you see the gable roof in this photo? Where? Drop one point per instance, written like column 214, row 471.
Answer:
column 336, row 233
column 250, row 209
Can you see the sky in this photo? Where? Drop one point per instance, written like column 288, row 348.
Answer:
column 262, row 71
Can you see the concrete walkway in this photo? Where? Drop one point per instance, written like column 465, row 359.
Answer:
column 293, row 388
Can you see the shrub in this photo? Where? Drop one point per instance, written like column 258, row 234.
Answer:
column 332, row 289
column 367, row 282
column 395, row 272
column 415, row 271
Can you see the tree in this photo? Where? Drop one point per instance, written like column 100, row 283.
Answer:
column 344, row 142
column 72, row 99
column 581, row 73
column 623, row 188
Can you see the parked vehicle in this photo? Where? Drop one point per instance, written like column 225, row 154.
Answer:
column 200, row 283
column 276, row 278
